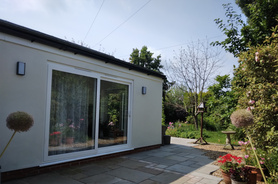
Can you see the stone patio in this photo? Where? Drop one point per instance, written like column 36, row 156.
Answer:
column 177, row 163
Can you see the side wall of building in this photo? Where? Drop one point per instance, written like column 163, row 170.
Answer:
column 29, row 93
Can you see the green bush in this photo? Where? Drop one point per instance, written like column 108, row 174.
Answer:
column 184, row 130
column 256, row 85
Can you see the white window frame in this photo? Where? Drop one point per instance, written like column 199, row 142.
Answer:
column 54, row 159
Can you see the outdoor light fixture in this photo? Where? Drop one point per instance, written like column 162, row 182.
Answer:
column 144, row 90
column 20, row 69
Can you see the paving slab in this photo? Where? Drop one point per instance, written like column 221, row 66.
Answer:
column 130, row 174
column 166, row 177
column 101, row 178
column 177, row 163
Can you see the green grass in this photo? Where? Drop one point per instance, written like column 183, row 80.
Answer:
column 188, row 131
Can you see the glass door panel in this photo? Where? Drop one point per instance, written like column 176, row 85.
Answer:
column 72, row 113
column 113, row 116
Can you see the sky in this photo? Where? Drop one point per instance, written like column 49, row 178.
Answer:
column 116, row 27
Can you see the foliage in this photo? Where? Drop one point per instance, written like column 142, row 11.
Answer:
column 173, row 105
column 261, row 17
column 184, row 130
column 221, row 102
column 271, row 164
column 144, row 58
column 234, row 43
column 249, row 156
column 113, row 110
column 239, row 173
column 256, row 85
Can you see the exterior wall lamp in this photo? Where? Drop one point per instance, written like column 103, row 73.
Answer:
column 20, row 69
column 144, row 90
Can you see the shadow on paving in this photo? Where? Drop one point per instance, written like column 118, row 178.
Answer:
column 175, row 163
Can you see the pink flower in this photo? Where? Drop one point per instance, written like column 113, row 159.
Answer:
column 111, row 124
column 251, row 102
column 240, row 143
column 262, row 158
column 257, row 56
column 248, row 108
column 261, row 162
column 248, row 93
column 71, row 126
column 246, row 156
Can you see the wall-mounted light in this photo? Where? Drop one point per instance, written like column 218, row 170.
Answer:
column 20, row 69
column 144, row 90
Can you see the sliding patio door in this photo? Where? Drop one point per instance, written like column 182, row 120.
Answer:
column 87, row 114
column 113, row 113
column 72, row 113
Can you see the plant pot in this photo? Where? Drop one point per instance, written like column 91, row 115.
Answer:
column 69, row 140
column 239, row 182
column 258, row 171
column 167, row 139
column 252, row 177
column 226, row 177
column 55, row 142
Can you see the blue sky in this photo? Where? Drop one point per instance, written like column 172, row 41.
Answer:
column 117, row 26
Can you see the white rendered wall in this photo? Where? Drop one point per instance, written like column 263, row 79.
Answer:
column 29, row 93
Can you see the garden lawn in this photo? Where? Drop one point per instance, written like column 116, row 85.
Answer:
column 188, row 131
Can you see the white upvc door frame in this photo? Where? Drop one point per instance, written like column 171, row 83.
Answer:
column 61, row 158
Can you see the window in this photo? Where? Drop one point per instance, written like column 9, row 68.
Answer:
column 113, row 114
column 72, row 113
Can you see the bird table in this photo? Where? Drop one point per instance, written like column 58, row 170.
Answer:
column 228, row 144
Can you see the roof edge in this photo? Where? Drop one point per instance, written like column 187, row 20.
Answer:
column 39, row 37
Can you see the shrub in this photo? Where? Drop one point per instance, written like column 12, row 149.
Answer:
column 255, row 83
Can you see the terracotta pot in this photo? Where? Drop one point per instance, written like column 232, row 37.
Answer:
column 252, row 177
column 226, row 177
column 258, row 171
column 69, row 140
column 55, row 142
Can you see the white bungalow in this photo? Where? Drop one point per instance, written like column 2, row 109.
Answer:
column 85, row 104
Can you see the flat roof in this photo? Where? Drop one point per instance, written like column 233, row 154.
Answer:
column 39, row 37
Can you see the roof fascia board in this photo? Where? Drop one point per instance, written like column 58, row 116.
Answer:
column 39, row 37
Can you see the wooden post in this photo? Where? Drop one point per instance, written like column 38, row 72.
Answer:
column 201, row 139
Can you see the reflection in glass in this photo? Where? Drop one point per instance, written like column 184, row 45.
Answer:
column 72, row 113
column 113, row 117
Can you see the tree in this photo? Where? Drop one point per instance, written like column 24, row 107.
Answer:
column 144, row 58
column 221, row 103
column 193, row 67
column 261, row 16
